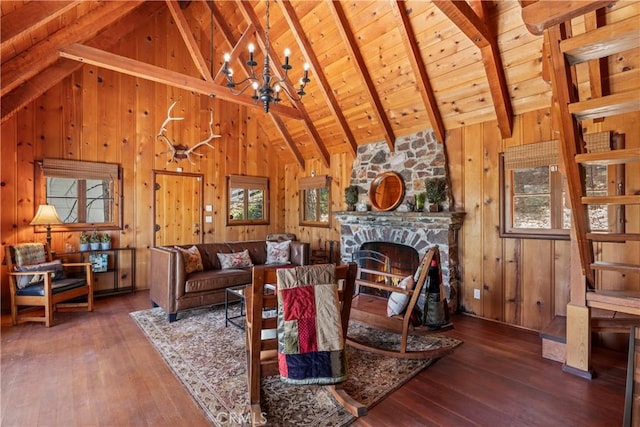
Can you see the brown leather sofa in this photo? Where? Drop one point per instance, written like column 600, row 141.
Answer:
column 174, row 290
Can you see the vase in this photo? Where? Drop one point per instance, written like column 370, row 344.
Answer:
column 105, row 246
column 95, row 246
column 84, row 246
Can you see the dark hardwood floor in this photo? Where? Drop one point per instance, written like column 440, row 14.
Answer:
column 98, row 369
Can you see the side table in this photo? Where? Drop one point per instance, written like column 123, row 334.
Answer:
column 238, row 295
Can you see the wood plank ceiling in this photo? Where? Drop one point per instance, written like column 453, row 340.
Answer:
column 379, row 69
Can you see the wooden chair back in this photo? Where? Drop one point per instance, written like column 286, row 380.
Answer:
column 262, row 350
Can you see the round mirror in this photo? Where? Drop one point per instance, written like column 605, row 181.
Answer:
column 387, row 191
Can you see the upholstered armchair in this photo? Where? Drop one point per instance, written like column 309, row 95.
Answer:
column 38, row 283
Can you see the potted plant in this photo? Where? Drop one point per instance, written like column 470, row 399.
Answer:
column 351, row 197
column 105, row 241
column 84, row 241
column 94, row 241
column 436, row 190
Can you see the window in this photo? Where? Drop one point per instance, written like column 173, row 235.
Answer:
column 315, row 201
column 85, row 194
column 533, row 195
column 248, row 200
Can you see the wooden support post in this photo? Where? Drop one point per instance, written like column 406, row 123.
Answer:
column 578, row 341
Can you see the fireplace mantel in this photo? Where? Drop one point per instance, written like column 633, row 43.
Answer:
column 420, row 230
column 453, row 218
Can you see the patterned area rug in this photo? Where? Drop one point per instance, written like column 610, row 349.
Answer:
column 209, row 359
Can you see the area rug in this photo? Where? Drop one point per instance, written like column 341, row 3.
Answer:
column 210, row 361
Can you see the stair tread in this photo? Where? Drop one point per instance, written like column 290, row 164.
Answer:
column 602, row 42
column 623, row 301
column 610, row 105
column 613, row 157
column 615, row 266
column 613, row 237
column 601, row 236
column 628, row 199
column 556, row 330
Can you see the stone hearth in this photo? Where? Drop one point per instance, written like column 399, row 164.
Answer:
column 420, row 230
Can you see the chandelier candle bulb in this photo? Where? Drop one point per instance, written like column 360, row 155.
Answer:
column 251, row 62
column 286, row 65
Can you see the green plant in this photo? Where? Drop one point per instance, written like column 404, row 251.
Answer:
column 420, row 198
column 105, row 238
column 351, row 195
column 436, row 190
column 95, row 237
column 84, row 238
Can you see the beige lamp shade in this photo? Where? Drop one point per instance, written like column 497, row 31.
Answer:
column 46, row 215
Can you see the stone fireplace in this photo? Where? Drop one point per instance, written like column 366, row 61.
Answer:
column 420, row 230
column 416, row 157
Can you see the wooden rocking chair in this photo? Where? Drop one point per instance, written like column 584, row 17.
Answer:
column 262, row 358
column 372, row 311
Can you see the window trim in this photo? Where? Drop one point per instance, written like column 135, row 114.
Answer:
column 314, row 183
column 248, row 183
column 506, row 209
column 80, row 170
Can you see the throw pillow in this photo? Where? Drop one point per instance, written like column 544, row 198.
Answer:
column 192, row 259
column 397, row 302
column 235, row 259
column 278, row 252
column 24, row 281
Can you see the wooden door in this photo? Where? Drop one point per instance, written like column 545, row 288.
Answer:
column 177, row 208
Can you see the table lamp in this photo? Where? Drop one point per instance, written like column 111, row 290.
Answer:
column 46, row 215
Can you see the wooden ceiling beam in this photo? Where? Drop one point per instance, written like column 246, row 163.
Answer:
column 318, row 71
column 545, row 14
column 121, row 64
column 286, row 136
column 62, row 68
column 31, row 17
column 337, row 11
column 251, row 17
column 26, row 65
column 189, row 40
column 229, row 38
column 419, row 69
column 472, row 25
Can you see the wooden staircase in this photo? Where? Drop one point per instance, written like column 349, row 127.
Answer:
column 593, row 285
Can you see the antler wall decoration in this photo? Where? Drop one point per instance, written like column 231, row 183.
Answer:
column 181, row 151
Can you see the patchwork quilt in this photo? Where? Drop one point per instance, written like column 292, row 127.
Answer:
column 310, row 341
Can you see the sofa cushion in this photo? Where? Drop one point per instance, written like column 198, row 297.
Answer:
column 212, row 280
column 56, row 287
column 257, row 250
column 192, row 259
column 278, row 252
column 235, row 260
